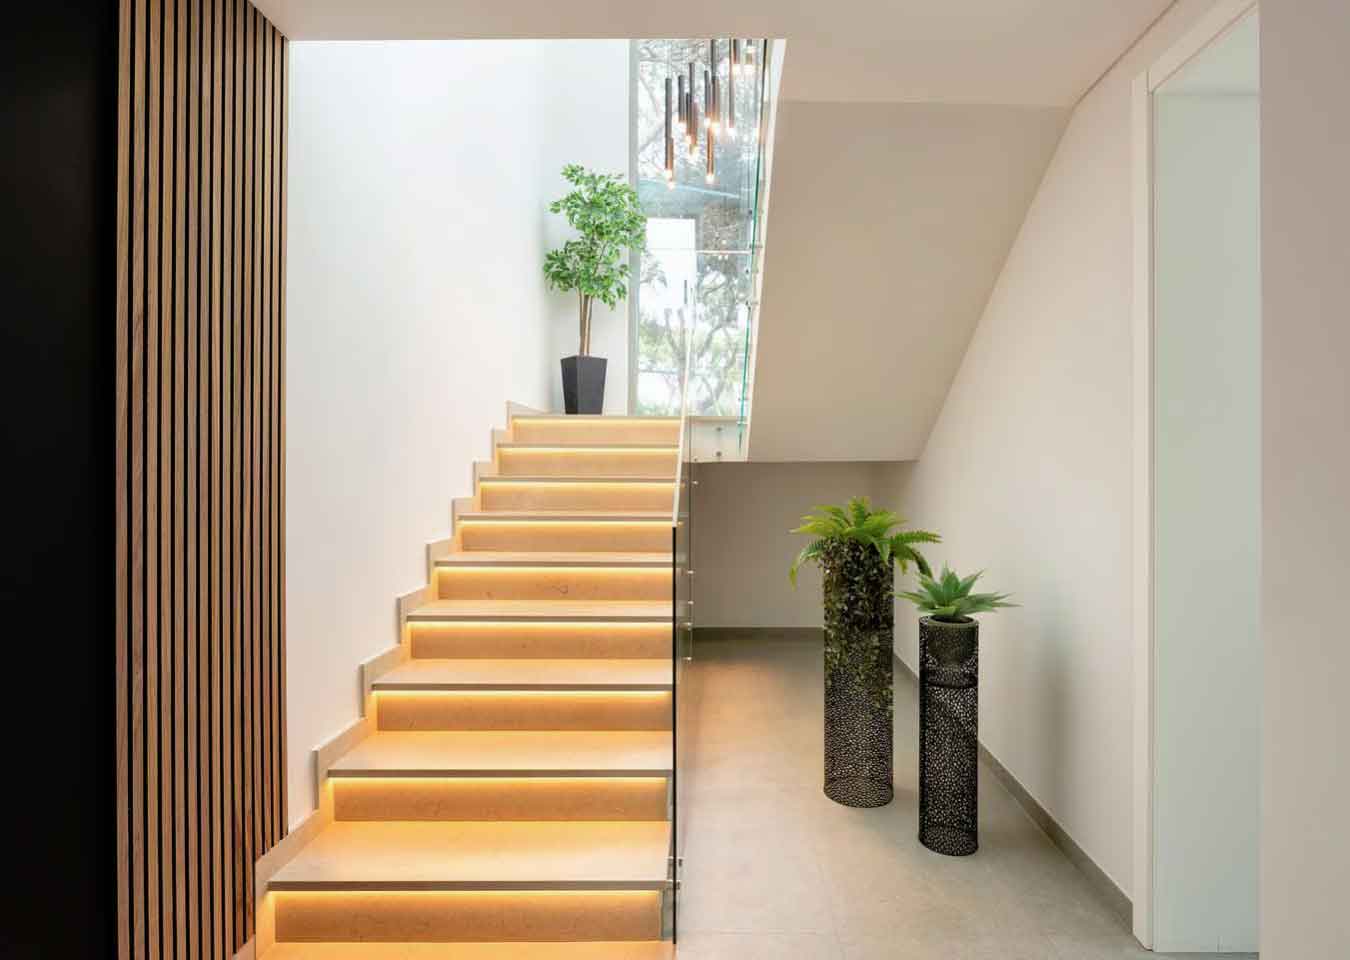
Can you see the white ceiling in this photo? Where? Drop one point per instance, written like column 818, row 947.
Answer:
column 1043, row 52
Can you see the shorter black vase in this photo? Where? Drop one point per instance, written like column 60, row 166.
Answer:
column 949, row 745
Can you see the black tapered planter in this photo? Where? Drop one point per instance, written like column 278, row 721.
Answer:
column 859, row 677
column 583, row 384
column 949, row 746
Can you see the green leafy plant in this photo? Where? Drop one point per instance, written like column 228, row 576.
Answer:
column 604, row 210
column 859, row 523
column 948, row 598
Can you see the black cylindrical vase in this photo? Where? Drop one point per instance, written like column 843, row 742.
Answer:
column 949, row 746
column 859, row 681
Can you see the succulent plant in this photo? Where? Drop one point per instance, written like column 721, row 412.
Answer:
column 948, row 598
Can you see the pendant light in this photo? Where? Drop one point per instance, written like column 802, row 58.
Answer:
column 732, row 67
column 670, row 139
column 690, row 110
column 681, row 118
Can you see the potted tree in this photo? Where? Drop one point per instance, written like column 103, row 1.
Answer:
column 857, row 548
column 603, row 209
column 949, row 684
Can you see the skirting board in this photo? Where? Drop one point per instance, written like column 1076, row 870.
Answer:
column 1114, row 897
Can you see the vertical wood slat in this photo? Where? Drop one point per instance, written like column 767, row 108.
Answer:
column 177, row 498
column 200, row 471
column 219, row 859
column 122, row 545
column 190, row 59
column 153, row 896
column 228, row 584
column 134, row 505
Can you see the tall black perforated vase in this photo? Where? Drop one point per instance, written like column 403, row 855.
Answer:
column 949, row 745
column 859, row 678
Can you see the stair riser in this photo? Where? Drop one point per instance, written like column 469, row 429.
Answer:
column 609, row 430
column 564, row 495
column 586, row 463
column 564, row 641
column 553, row 583
column 552, row 798
column 444, row 710
column 581, row 536
column 466, row 917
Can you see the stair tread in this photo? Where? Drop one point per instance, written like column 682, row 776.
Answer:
column 559, row 610
column 586, row 445
column 509, row 752
column 606, row 515
column 552, row 558
column 578, row 478
column 481, row 855
column 630, row 950
column 596, row 417
column 522, row 674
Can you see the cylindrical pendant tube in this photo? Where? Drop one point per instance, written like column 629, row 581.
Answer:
column 716, row 104
column 669, row 142
column 735, row 54
column 680, row 103
column 709, row 111
column 693, row 126
column 712, row 172
column 731, row 99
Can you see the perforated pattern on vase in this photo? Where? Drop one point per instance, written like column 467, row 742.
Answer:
column 949, row 737
column 859, row 678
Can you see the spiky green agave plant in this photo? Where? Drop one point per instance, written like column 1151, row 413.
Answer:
column 948, row 598
column 859, row 522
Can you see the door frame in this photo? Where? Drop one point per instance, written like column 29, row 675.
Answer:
column 1211, row 27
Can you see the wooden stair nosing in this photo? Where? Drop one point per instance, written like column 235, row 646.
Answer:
column 561, row 559
column 481, row 856
column 507, row 754
column 548, row 611
column 504, row 950
column 522, row 675
column 573, row 478
column 567, row 446
column 565, row 516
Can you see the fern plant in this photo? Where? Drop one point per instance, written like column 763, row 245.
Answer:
column 859, row 523
column 948, row 598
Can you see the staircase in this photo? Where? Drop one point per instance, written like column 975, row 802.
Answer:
column 512, row 795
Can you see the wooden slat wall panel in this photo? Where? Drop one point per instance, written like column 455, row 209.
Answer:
column 200, row 471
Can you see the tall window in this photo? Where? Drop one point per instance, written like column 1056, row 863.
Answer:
column 694, row 284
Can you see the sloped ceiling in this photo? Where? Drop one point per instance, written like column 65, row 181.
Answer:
column 888, row 225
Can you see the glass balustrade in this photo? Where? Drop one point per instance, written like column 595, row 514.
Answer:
column 697, row 281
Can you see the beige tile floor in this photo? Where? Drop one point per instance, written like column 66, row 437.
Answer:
column 776, row 871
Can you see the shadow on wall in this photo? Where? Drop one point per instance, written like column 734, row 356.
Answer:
column 742, row 517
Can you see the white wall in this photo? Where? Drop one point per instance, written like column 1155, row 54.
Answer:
column 742, row 548
column 418, row 180
column 1207, row 520
column 585, row 120
column 1027, row 475
column 1305, row 156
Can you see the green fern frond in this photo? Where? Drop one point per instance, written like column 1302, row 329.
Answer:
column 859, row 523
